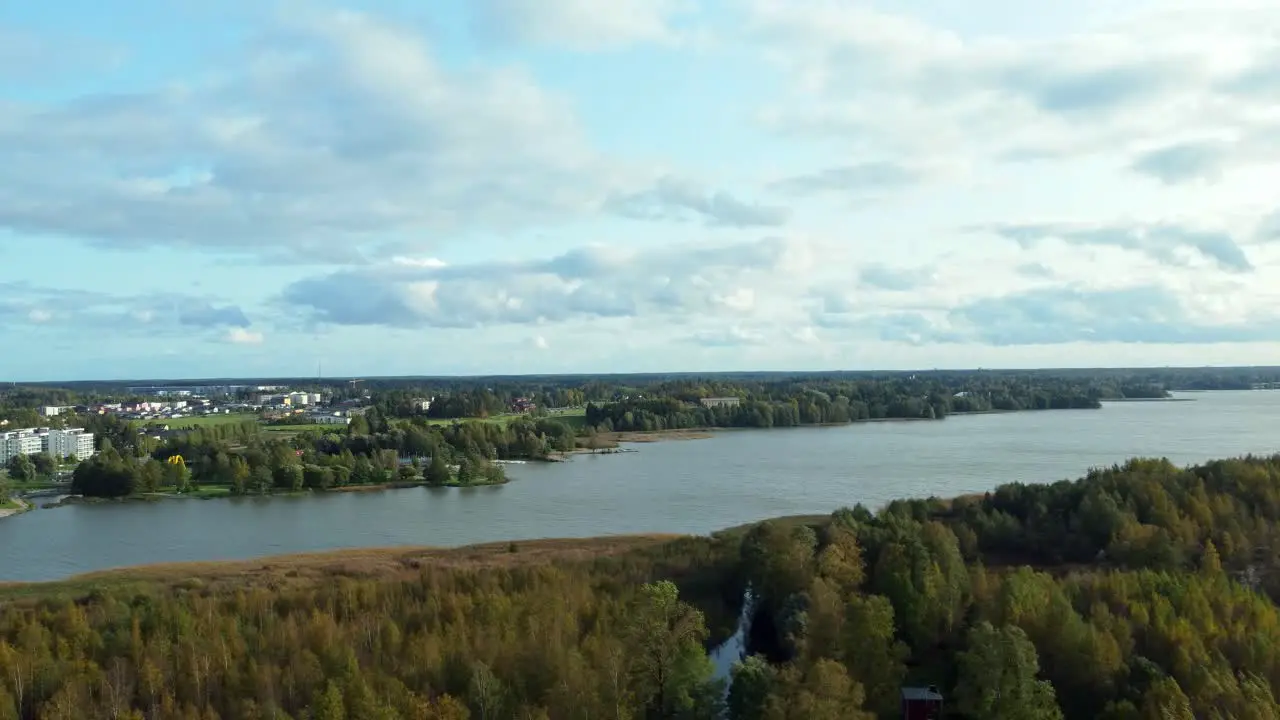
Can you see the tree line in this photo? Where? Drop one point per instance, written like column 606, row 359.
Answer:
column 1141, row 590
column 792, row 404
column 368, row 452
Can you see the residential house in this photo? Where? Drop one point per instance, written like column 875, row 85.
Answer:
column 921, row 703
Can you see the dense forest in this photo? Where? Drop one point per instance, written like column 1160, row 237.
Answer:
column 1139, row 591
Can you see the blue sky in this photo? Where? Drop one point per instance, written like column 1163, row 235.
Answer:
column 515, row 186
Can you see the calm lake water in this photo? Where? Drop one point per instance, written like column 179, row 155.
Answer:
column 693, row 486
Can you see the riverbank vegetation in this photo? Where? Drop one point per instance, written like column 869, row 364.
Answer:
column 245, row 460
column 1141, row 590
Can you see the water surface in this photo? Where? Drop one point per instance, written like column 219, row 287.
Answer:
column 693, row 486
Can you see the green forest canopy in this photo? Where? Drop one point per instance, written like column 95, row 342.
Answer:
column 1138, row 591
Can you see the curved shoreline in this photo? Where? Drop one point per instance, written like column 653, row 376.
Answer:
column 23, row 506
column 271, row 569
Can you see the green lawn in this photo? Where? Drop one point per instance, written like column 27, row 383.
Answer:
column 301, row 427
column 6, row 504
column 190, row 423
column 573, row 418
column 187, row 423
column 209, row 491
column 21, row 487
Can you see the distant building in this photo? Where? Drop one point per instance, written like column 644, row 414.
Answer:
column 329, row 418
column 73, row 442
column 715, row 402
column 421, row 404
column 54, row 410
column 522, row 405
column 921, row 703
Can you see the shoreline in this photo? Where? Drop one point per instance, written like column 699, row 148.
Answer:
column 366, row 561
column 1164, row 399
column 23, row 506
column 162, row 496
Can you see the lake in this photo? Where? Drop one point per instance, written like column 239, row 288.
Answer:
column 690, row 486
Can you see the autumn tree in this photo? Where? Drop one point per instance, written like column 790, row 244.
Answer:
column 997, row 677
column 671, row 672
column 822, row 692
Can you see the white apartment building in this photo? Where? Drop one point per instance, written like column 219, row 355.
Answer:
column 20, row 442
column 73, row 442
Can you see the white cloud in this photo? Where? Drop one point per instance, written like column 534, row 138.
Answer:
column 1166, row 242
column 732, row 336
column 581, row 24
column 676, row 199
column 1175, row 86
column 1066, row 314
column 540, row 342
column 591, row 282
column 243, row 336
column 337, row 134
column 86, row 313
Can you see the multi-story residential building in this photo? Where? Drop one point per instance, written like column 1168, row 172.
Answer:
column 20, row 442
column 73, row 442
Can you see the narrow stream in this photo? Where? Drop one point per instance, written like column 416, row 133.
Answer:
column 724, row 655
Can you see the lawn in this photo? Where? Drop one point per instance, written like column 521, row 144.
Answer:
column 302, row 427
column 209, row 491
column 27, row 486
column 574, row 418
column 188, row 423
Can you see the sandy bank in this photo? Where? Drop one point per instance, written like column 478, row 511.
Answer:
column 23, row 506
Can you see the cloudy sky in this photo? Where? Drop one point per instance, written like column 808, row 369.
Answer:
column 200, row 189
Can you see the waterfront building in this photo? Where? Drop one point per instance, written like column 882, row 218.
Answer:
column 72, row 442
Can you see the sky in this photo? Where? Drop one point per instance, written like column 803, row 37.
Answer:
column 365, row 188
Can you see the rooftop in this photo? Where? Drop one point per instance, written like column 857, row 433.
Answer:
column 921, row 693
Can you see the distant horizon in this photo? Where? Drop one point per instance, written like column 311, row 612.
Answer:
column 262, row 379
